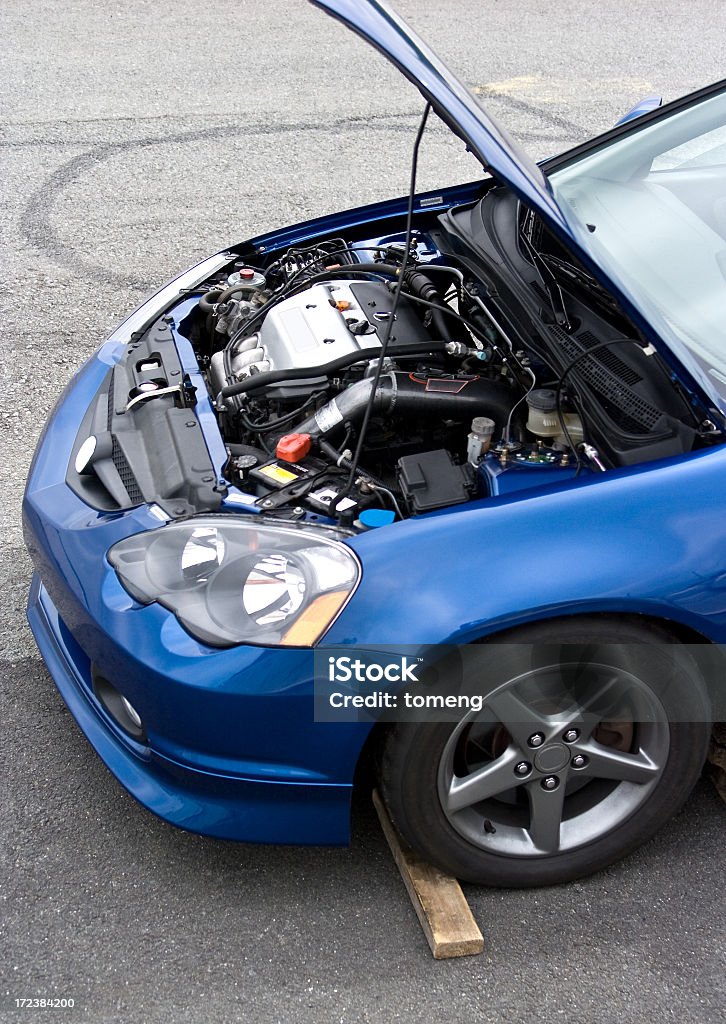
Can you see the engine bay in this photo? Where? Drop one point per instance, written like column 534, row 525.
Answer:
column 469, row 401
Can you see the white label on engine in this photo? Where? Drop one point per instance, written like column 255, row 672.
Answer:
column 326, row 496
column 328, row 417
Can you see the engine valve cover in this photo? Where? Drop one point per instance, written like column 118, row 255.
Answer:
column 327, row 321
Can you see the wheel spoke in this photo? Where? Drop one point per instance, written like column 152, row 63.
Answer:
column 607, row 763
column 494, row 778
column 520, row 720
column 593, row 708
column 545, row 816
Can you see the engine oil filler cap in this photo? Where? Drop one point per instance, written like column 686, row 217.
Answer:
column 293, row 447
column 370, row 518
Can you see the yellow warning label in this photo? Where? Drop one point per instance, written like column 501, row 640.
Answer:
column 282, row 476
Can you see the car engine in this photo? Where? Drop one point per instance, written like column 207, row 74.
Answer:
column 317, row 424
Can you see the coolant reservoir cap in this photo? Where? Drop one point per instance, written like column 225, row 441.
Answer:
column 544, row 399
column 371, row 518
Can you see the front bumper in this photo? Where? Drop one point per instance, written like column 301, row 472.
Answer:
column 232, row 749
column 229, row 806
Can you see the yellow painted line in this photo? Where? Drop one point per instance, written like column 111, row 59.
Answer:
column 541, row 89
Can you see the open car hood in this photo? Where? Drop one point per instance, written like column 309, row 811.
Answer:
column 498, row 152
column 384, row 29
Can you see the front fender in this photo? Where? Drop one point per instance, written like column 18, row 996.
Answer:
column 649, row 539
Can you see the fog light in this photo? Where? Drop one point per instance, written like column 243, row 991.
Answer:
column 85, row 454
column 119, row 708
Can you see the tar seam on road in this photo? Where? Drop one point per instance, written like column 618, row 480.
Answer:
column 36, row 219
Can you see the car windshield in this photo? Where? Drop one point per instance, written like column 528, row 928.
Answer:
column 650, row 208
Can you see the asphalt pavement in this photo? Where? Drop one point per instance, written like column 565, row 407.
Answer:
column 135, row 139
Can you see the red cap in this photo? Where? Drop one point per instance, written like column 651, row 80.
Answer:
column 246, row 273
column 293, row 447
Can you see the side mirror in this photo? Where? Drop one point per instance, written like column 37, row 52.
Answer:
column 644, row 107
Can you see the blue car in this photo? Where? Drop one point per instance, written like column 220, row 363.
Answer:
column 487, row 421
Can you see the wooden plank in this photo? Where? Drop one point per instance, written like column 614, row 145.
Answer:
column 440, row 905
column 717, row 757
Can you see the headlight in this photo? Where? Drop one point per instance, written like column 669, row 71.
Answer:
column 231, row 581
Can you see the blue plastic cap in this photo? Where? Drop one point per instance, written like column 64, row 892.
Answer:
column 373, row 517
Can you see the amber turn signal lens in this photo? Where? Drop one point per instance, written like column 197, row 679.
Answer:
column 315, row 619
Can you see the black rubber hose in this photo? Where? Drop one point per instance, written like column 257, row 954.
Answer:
column 262, row 380
column 216, row 296
column 209, row 300
column 408, row 395
column 422, row 286
column 241, row 449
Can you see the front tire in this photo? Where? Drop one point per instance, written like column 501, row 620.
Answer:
column 592, row 735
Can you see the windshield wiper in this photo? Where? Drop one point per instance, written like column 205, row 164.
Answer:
column 549, row 281
column 579, row 277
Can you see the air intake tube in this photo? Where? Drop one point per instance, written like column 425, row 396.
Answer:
column 410, row 394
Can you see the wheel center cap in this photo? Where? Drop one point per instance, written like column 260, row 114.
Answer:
column 552, row 758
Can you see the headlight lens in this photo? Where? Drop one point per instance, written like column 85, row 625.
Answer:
column 233, row 581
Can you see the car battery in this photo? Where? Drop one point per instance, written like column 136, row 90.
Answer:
column 309, row 473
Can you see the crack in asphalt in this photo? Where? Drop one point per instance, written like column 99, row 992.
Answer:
column 36, row 224
column 523, row 107
column 219, row 131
